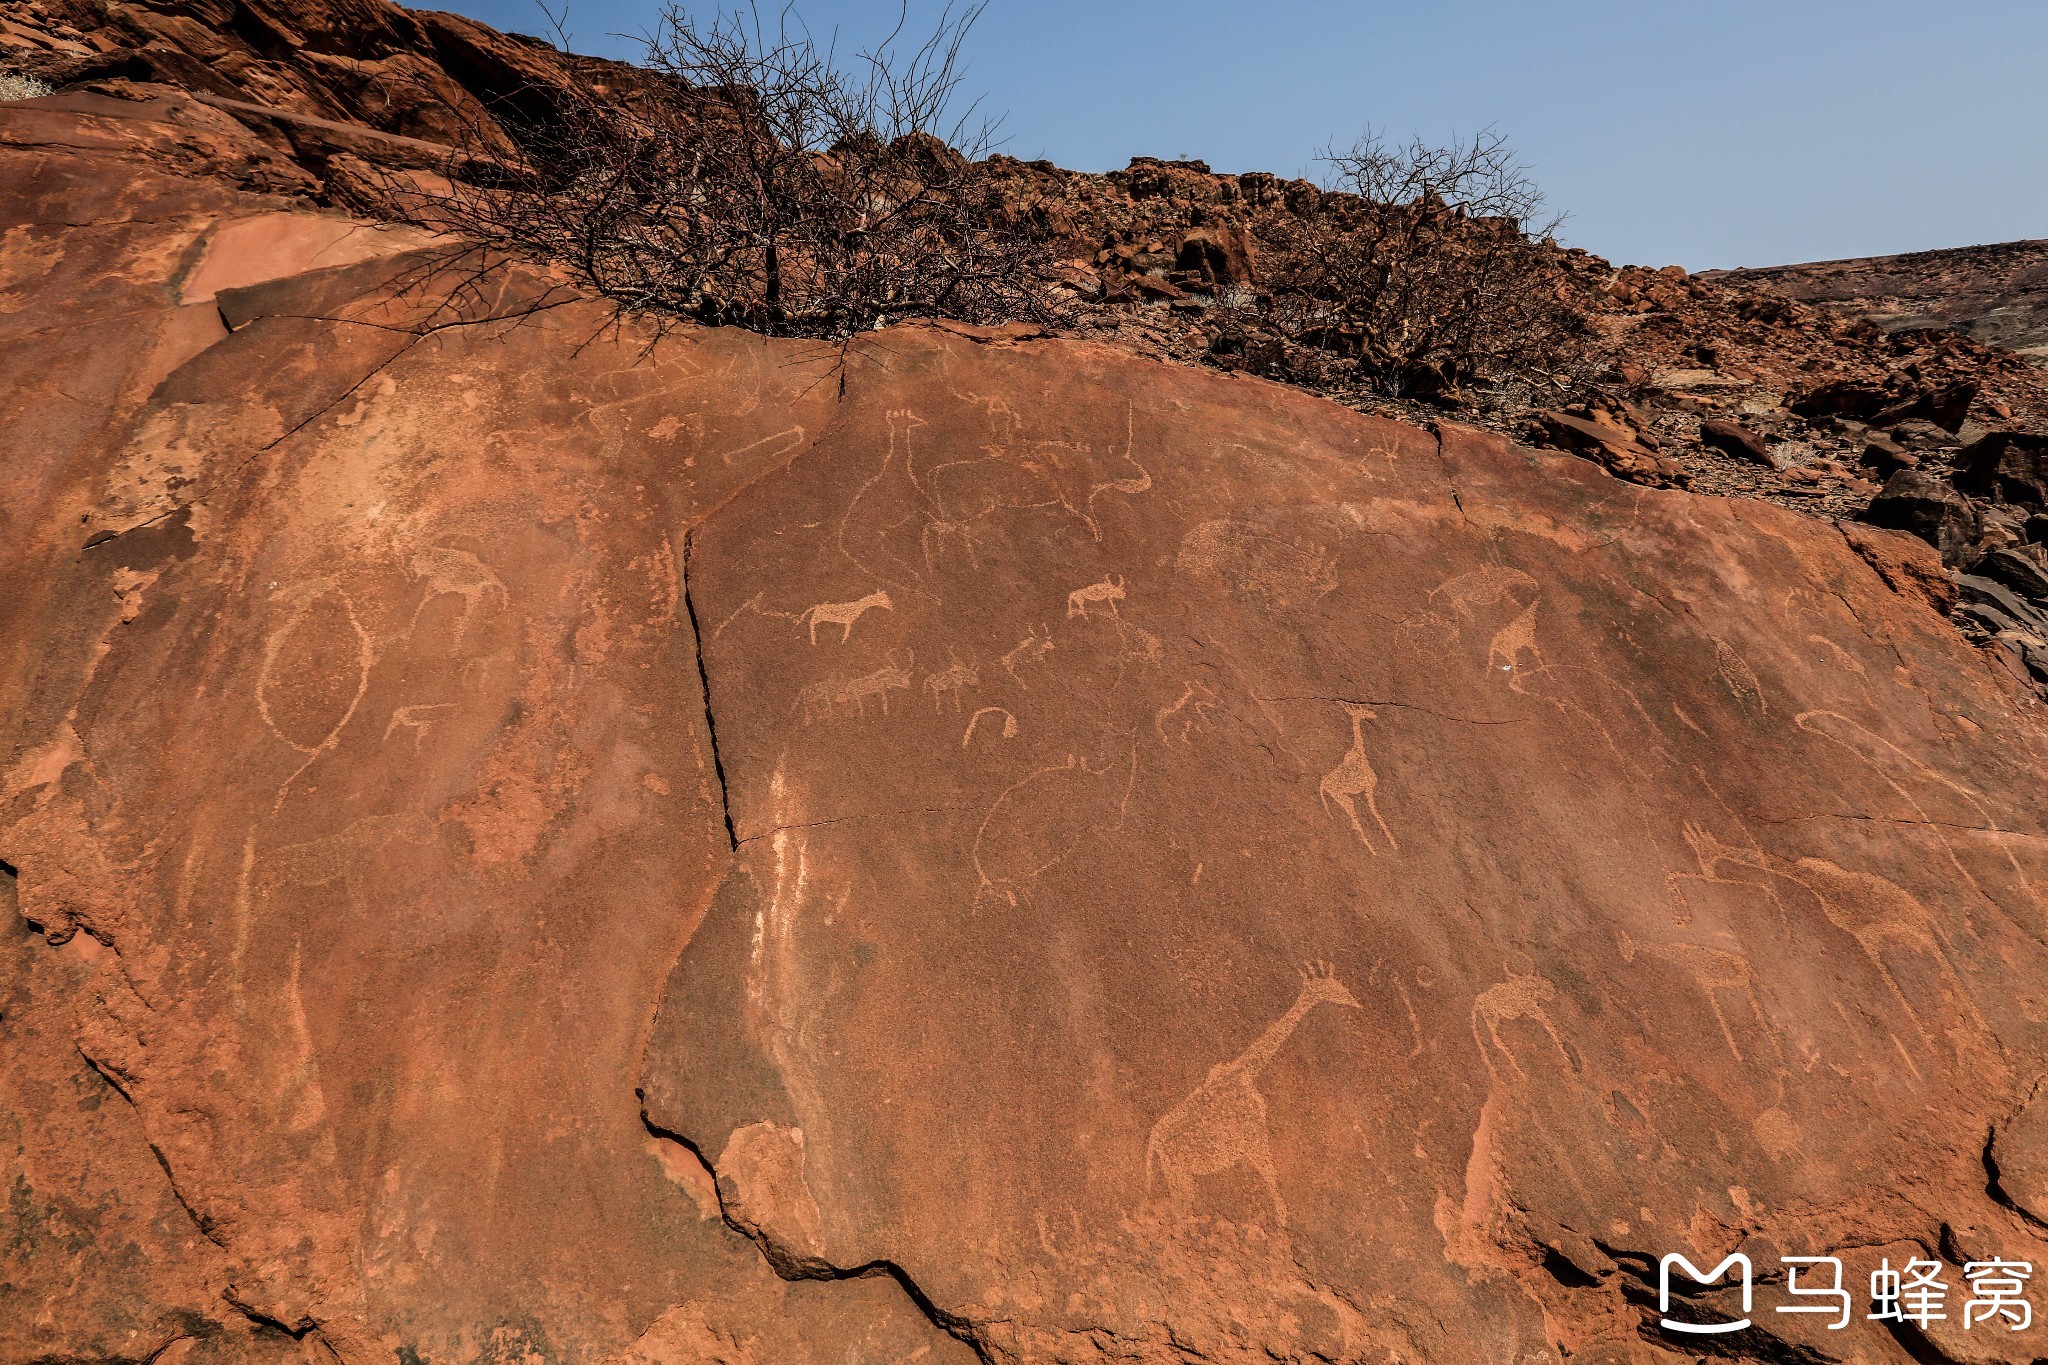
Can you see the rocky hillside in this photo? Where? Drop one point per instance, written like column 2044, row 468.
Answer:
column 523, row 838
column 1997, row 294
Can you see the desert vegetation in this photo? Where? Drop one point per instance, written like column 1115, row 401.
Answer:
column 1427, row 266
column 746, row 172
column 15, row 86
column 754, row 176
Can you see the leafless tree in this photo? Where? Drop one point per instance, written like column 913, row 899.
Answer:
column 747, row 174
column 1429, row 266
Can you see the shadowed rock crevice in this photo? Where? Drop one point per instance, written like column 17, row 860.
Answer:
column 791, row 1266
column 704, row 687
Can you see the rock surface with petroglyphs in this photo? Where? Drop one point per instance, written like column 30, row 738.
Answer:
column 530, row 841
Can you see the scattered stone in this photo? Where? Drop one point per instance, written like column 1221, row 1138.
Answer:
column 2017, row 571
column 1886, row 455
column 1736, row 439
column 1930, row 508
column 1614, row 448
column 2011, row 466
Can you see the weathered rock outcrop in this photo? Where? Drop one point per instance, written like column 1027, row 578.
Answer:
column 547, row 843
column 1997, row 293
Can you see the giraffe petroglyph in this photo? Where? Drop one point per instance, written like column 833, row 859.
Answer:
column 1522, row 995
column 1713, row 970
column 1353, row 777
column 844, row 614
column 1222, row 1124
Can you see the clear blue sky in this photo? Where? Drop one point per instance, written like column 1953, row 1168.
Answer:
column 1722, row 133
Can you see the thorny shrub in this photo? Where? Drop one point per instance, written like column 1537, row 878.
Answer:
column 754, row 178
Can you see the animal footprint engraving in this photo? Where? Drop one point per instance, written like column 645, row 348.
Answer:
column 1222, row 1124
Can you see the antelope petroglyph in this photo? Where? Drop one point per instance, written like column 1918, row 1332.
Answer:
column 1108, row 593
column 1036, row 644
column 844, row 614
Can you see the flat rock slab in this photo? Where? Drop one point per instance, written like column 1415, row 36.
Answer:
column 1220, row 873
column 545, row 842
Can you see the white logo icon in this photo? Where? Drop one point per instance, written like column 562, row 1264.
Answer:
column 1664, row 1292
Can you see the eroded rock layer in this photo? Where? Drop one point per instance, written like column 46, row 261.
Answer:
column 537, row 842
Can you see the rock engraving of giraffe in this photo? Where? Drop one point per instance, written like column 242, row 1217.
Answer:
column 844, row 614
column 1353, row 777
column 1222, row 1124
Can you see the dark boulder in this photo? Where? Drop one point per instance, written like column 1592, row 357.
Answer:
column 1932, row 509
column 2009, row 466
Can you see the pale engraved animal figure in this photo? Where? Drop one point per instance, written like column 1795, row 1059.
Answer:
column 1108, row 593
column 1713, row 970
column 1522, row 996
column 1353, row 777
column 1222, row 1124
column 1511, row 641
column 825, row 698
column 414, row 719
column 951, row 683
column 878, row 684
column 1036, row 644
column 844, row 614
column 1481, row 588
column 1190, row 713
column 449, row 570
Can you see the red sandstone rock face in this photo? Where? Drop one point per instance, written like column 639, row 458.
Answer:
column 1103, row 860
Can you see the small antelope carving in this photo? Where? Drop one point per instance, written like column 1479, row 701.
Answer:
column 844, row 614
column 1108, row 593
